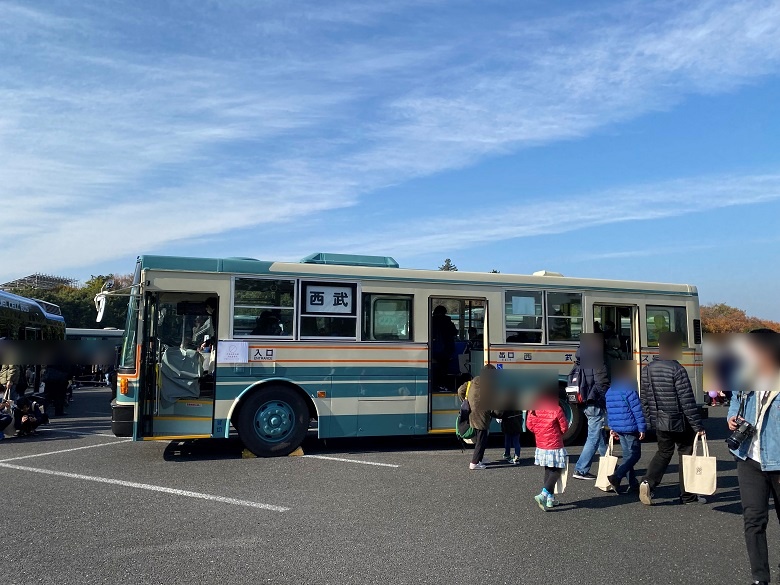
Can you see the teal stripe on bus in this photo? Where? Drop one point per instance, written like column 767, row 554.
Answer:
column 365, row 387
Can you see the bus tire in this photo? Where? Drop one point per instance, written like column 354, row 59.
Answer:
column 273, row 421
column 577, row 422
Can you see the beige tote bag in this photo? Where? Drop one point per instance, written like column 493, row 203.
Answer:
column 700, row 473
column 607, row 465
column 560, row 485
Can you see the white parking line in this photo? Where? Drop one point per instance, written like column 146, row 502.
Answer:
column 64, row 451
column 80, row 433
column 148, row 487
column 350, row 460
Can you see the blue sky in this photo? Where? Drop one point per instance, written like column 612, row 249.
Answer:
column 627, row 140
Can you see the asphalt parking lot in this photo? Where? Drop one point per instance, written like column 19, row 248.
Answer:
column 81, row 506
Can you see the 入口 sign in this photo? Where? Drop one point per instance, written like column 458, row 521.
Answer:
column 262, row 354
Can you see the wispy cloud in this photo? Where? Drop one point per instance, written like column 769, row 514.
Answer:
column 566, row 214
column 254, row 116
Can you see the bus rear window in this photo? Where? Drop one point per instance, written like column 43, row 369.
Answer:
column 660, row 319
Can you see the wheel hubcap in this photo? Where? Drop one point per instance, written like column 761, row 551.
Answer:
column 274, row 421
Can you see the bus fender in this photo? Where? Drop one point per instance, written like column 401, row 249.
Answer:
column 257, row 386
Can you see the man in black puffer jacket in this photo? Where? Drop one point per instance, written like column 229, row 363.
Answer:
column 670, row 408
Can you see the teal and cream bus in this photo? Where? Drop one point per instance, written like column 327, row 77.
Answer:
column 343, row 345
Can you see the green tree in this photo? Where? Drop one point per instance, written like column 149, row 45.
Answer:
column 78, row 306
column 448, row 266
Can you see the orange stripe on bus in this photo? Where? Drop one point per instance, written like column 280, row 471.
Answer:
column 346, row 347
column 335, row 361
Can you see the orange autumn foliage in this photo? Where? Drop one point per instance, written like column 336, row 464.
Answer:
column 722, row 318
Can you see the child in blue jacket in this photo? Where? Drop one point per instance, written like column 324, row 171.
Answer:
column 627, row 423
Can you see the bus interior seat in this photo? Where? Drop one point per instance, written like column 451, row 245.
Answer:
column 180, row 373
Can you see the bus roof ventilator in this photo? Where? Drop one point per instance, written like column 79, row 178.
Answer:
column 547, row 273
column 350, row 260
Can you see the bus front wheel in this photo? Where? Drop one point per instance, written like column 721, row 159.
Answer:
column 273, row 422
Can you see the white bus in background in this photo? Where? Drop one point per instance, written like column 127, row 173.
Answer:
column 94, row 374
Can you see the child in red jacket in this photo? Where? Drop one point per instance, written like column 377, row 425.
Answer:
column 548, row 423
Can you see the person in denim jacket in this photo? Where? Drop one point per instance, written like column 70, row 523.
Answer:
column 757, row 379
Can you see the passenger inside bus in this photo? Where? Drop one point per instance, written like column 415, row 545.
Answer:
column 267, row 324
column 476, row 339
column 443, row 335
column 211, row 323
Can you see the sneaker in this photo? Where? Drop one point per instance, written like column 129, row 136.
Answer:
column 549, row 504
column 698, row 500
column 541, row 500
column 506, row 457
column 614, row 484
column 645, row 495
column 479, row 465
column 516, row 460
column 588, row 476
column 555, row 502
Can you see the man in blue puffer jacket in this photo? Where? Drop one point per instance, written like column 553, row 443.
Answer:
column 626, row 421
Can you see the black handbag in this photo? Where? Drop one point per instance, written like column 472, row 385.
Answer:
column 667, row 422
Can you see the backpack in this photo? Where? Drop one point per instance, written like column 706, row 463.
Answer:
column 463, row 429
column 576, row 384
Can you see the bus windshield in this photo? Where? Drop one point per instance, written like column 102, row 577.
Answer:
column 127, row 356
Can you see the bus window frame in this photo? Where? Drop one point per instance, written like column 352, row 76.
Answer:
column 357, row 301
column 686, row 338
column 296, row 312
column 378, row 296
column 543, row 316
column 548, row 316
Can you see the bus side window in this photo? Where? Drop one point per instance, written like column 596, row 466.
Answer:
column 387, row 317
column 662, row 319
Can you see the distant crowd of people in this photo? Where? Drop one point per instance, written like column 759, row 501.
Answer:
column 24, row 406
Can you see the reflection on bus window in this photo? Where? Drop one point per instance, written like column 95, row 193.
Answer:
column 523, row 315
column 564, row 316
column 662, row 319
column 263, row 307
column 345, row 327
column 387, row 318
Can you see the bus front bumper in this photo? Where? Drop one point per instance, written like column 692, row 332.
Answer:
column 122, row 420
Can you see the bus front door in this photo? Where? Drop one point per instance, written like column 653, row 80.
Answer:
column 178, row 366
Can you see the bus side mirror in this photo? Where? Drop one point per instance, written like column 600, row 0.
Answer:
column 100, row 305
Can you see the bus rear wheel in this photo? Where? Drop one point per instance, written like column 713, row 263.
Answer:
column 577, row 422
column 273, row 422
